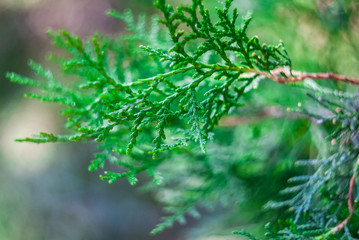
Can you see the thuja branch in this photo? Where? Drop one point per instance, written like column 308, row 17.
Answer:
column 198, row 78
column 188, row 88
column 290, row 76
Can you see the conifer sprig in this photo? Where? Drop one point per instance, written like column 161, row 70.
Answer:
column 145, row 104
column 194, row 87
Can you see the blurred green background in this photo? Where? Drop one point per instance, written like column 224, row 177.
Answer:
column 46, row 191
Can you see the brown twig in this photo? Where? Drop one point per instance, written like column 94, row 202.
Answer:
column 351, row 208
column 296, row 76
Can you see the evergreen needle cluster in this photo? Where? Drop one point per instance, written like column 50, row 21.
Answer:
column 153, row 99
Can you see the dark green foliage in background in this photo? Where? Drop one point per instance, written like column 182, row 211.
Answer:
column 153, row 99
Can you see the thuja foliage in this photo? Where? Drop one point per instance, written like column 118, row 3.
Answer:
column 153, row 99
